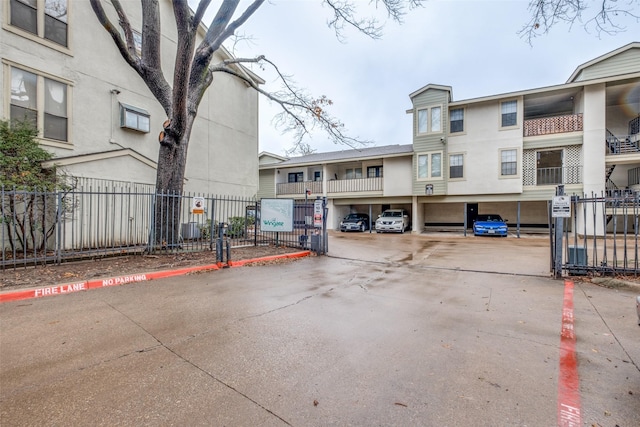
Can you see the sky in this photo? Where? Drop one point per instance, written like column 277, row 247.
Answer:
column 471, row 45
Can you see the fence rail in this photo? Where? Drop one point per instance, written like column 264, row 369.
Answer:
column 605, row 236
column 40, row 227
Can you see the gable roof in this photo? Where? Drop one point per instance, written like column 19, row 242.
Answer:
column 432, row 86
column 623, row 66
column 344, row 155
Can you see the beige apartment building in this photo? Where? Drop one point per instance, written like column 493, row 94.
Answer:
column 503, row 153
column 95, row 114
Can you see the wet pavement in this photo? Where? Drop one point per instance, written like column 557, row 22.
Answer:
column 388, row 330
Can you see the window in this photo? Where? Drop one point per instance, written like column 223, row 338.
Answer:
column 456, row 120
column 134, row 118
column 295, row 177
column 508, row 162
column 429, row 165
column 25, row 14
column 430, row 120
column 422, row 121
column 509, row 113
column 456, row 163
column 374, row 172
column 436, row 114
column 41, row 100
column 549, row 167
column 355, row 173
column 317, row 176
column 137, row 41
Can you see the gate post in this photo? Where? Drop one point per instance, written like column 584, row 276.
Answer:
column 558, row 225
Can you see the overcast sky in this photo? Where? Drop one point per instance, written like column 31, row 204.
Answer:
column 470, row 45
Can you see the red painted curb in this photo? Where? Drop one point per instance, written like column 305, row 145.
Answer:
column 568, row 381
column 67, row 288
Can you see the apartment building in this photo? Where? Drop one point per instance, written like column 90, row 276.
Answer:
column 503, row 153
column 96, row 115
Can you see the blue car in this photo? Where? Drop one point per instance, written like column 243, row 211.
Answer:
column 490, row 225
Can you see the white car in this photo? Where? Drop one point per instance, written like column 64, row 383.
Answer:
column 393, row 220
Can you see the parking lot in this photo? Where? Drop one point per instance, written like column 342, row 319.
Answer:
column 389, row 330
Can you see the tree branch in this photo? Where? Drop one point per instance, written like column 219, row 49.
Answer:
column 301, row 112
column 345, row 16
column 545, row 14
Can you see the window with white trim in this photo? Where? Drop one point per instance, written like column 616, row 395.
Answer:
column 508, row 162
column 42, row 101
column 26, row 14
column 436, row 118
column 422, row 121
column 509, row 110
column 429, row 166
column 456, row 166
column 429, row 120
column 134, row 118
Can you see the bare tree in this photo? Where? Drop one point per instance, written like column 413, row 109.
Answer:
column 194, row 70
column 603, row 16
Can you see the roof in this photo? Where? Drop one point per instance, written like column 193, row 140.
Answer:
column 432, row 86
column 345, row 155
column 601, row 58
column 570, row 84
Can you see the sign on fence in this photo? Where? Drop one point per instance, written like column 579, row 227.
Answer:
column 276, row 215
column 197, row 205
column 561, row 207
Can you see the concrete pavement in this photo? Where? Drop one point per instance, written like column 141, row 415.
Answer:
column 402, row 331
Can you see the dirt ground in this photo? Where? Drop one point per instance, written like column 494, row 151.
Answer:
column 96, row 268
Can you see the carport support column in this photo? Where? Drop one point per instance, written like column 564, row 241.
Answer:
column 465, row 220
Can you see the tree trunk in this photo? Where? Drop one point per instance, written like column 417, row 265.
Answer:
column 172, row 160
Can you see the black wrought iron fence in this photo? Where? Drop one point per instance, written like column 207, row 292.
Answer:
column 39, row 227
column 604, row 236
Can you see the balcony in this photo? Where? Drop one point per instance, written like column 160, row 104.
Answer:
column 299, row 188
column 553, row 125
column 358, row 185
column 553, row 176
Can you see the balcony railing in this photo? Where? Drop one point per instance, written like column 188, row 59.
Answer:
column 551, row 125
column 553, row 176
column 299, row 188
column 623, row 144
column 354, row 185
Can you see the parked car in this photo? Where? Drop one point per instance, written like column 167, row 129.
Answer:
column 394, row 220
column 490, row 225
column 355, row 222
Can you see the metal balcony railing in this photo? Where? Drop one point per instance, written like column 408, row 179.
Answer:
column 553, row 176
column 622, row 144
column 551, row 125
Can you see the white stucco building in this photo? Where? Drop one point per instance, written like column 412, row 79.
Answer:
column 95, row 114
column 503, row 153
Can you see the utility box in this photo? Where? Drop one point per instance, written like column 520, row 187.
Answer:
column 316, row 243
column 577, row 258
column 190, row 230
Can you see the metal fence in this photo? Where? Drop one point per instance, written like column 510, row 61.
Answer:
column 602, row 236
column 99, row 220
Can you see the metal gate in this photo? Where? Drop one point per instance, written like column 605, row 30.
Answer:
column 600, row 237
